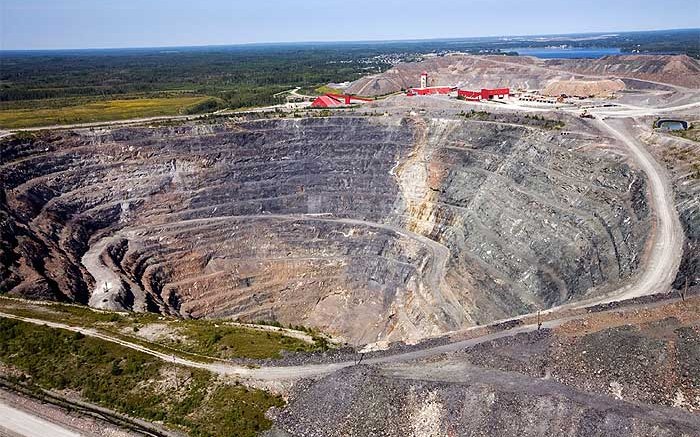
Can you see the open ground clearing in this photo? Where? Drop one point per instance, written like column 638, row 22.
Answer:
column 97, row 112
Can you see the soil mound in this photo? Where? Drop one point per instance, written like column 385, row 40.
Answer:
column 584, row 88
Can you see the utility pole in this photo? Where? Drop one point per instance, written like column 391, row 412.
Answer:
column 539, row 322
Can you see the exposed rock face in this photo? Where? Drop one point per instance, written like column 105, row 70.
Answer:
column 466, row 401
column 682, row 159
column 371, row 228
column 520, row 72
column 639, row 379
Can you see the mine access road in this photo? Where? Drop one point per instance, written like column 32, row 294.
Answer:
column 659, row 268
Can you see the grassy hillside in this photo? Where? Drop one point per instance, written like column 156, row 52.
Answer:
column 102, row 111
column 198, row 340
column 131, row 382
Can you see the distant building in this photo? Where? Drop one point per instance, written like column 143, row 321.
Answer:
column 425, row 90
column 327, row 102
column 469, row 95
column 336, row 100
column 499, row 93
column 430, row 90
column 484, row 94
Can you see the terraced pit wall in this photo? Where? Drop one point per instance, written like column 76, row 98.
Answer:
column 369, row 228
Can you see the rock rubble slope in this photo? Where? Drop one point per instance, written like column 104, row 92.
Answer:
column 625, row 373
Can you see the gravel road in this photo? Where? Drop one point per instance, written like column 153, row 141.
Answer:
column 14, row 422
column 667, row 247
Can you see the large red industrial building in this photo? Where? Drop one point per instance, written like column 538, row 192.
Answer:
column 425, row 90
column 326, row 102
column 430, row 90
column 336, row 100
column 484, row 94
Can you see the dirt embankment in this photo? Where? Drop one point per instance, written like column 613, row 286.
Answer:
column 679, row 70
column 584, row 88
column 473, row 72
column 516, row 72
column 625, row 373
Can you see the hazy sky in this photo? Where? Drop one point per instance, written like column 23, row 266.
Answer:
column 32, row 24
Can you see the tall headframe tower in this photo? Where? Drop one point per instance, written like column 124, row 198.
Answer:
column 424, row 80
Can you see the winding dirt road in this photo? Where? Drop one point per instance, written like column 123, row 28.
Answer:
column 286, row 373
column 666, row 249
column 660, row 268
column 292, row 373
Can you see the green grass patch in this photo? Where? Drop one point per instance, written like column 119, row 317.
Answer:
column 63, row 102
column 221, row 340
column 196, row 340
column 325, row 89
column 131, row 382
column 546, row 123
column 76, row 315
column 207, row 105
column 692, row 133
column 222, row 417
column 476, row 115
column 100, row 111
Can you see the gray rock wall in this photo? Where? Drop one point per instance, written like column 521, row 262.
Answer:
column 370, row 228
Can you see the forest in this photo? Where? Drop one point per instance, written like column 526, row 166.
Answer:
column 244, row 75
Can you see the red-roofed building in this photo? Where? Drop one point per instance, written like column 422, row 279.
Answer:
column 349, row 99
column 469, row 95
column 484, row 94
column 487, row 94
column 430, row 90
column 327, row 102
column 335, row 100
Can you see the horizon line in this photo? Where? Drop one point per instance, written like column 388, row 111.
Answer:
column 370, row 41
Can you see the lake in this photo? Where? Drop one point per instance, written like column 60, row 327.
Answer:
column 673, row 125
column 565, row 53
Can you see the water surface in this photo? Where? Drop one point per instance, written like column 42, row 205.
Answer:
column 566, row 52
column 671, row 125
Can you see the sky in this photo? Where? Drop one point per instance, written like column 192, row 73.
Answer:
column 57, row 24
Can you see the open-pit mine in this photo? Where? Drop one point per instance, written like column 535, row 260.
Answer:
column 370, row 228
column 515, row 261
